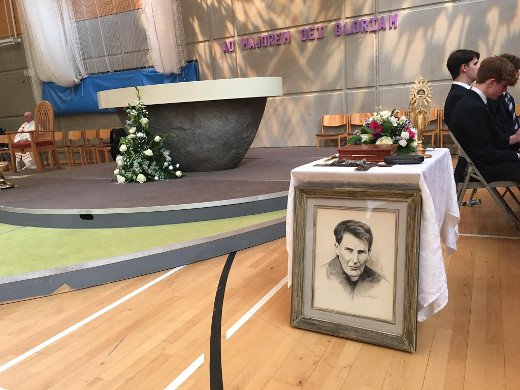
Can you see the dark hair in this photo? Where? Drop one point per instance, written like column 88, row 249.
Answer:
column 497, row 68
column 358, row 229
column 459, row 58
column 512, row 59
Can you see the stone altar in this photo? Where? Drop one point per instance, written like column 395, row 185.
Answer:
column 214, row 121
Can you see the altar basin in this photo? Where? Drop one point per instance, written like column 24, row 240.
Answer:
column 214, row 122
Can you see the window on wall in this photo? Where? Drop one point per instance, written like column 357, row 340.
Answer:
column 112, row 35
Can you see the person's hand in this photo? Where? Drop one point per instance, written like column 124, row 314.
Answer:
column 515, row 138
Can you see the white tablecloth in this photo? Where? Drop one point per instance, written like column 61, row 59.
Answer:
column 439, row 219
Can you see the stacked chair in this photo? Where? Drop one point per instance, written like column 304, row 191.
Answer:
column 93, row 146
column 104, row 146
column 340, row 124
column 356, row 120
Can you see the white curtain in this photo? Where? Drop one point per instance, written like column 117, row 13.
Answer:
column 165, row 33
column 51, row 41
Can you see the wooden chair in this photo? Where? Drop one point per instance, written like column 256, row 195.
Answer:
column 75, row 144
column 90, row 147
column 339, row 122
column 356, row 120
column 517, row 109
column 42, row 138
column 62, row 145
column 433, row 127
column 443, row 128
column 103, row 149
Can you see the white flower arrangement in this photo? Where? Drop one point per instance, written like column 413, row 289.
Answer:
column 143, row 157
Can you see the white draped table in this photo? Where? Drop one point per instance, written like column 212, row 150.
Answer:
column 439, row 219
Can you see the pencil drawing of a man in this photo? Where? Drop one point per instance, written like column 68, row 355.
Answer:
column 349, row 267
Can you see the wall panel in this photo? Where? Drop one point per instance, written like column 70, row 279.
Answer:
column 16, row 97
column 305, row 66
column 295, row 120
column 203, row 54
column 359, row 7
column 196, row 21
column 336, row 74
column 221, row 18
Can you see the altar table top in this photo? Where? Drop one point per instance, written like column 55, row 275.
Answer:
column 439, row 218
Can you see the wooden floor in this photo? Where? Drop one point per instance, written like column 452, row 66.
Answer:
column 150, row 339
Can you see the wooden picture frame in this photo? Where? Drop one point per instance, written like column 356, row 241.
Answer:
column 364, row 287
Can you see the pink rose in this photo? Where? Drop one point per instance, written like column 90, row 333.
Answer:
column 412, row 134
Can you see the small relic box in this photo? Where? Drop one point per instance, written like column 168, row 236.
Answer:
column 372, row 153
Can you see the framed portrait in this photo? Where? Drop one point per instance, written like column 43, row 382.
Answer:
column 355, row 264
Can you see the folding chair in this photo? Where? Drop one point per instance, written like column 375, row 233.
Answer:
column 474, row 180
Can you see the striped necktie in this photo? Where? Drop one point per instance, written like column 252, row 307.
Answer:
column 511, row 106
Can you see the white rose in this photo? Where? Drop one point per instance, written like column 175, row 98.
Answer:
column 140, row 134
column 148, row 152
column 123, row 148
column 157, row 138
column 178, row 173
column 384, row 141
column 131, row 130
column 366, row 137
column 119, row 160
column 156, row 178
column 141, row 178
column 116, row 172
column 177, row 166
column 144, row 121
column 393, row 120
column 120, row 179
column 403, row 119
column 405, row 135
column 385, row 114
column 402, row 142
column 414, row 144
column 170, row 168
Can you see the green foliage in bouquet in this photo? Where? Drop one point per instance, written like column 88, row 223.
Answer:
column 142, row 156
column 386, row 127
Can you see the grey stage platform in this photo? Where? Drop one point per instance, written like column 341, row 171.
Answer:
column 84, row 197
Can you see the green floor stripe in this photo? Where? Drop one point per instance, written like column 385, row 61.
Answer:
column 26, row 249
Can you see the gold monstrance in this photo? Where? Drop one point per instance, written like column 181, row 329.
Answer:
column 420, row 108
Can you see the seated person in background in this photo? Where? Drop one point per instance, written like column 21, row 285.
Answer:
column 476, row 128
column 463, row 66
column 115, row 136
column 25, row 160
column 504, row 106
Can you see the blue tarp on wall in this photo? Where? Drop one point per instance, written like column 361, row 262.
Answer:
column 82, row 98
